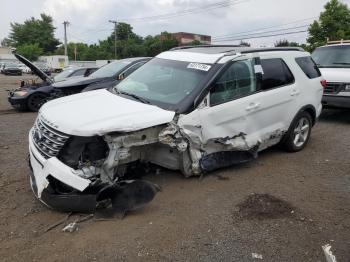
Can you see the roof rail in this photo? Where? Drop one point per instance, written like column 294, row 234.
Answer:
column 341, row 41
column 247, row 50
column 201, row 46
column 271, row 49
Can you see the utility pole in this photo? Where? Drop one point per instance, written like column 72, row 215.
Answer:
column 65, row 24
column 75, row 52
column 115, row 37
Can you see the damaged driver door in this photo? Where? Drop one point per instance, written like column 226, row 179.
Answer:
column 226, row 122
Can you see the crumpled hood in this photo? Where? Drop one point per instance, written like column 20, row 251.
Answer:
column 77, row 81
column 100, row 112
column 337, row 75
column 36, row 70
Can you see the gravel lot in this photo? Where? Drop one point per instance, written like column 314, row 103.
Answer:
column 191, row 219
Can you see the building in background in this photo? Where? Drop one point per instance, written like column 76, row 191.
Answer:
column 55, row 62
column 187, row 38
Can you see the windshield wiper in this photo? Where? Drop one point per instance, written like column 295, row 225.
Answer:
column 141, row 99
column 343, row 63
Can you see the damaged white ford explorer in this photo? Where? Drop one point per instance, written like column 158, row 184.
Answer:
column 193, row 109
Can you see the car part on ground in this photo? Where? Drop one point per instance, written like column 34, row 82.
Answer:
column 334, row 63
column 193, row 109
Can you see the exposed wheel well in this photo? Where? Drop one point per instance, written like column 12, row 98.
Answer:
column 311, row 110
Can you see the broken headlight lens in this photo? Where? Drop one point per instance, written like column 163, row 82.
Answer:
column 83, row 149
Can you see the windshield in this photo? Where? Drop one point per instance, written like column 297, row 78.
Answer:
column 63, row 75
column 165, row 81
column 110, row 69
column 332, row 56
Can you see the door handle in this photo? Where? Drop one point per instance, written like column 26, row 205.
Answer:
column 295, row 92
column 252, row 106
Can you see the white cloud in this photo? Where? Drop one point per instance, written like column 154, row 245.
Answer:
column 89, row 18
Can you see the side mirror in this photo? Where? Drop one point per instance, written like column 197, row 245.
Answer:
column 120, row 76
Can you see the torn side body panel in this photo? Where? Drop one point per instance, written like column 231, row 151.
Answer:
column 210, row 147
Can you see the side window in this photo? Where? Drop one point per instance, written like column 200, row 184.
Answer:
column 237, row 81
column 89, row 71
column 133, row 68
column 79, row 72
column 308, row 66
column 276, row 73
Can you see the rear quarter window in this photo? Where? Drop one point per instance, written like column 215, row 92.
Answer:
column 308, row 66
column 276, row 73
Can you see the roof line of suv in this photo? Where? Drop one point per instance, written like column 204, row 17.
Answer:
column 244, row 50
column 201, row 46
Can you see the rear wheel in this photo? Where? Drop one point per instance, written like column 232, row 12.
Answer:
column 35, row 101
column 299, row 133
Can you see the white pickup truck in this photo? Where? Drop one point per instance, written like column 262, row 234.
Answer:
column 333, row 61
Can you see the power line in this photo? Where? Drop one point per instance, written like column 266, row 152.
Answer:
column 77, row 38
column 263, row 32
column 262, row 36
column 186, row 12
column 175, row 14
column 264, row 28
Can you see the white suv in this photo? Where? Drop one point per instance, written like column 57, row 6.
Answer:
column 193, row 109
column 334, row 63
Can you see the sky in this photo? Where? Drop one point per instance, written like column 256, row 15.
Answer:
column 89, row 18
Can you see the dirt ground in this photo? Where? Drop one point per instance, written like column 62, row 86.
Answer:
column 191, row 219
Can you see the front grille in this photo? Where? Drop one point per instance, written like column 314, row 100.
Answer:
column 47, row 140
column 333, row 88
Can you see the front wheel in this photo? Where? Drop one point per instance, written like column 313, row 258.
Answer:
column 35, row 101
column 299, row 133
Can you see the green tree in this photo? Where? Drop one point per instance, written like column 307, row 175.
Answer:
column 124, row 32
column 30, row 51
column 160, row 43
column 286, row 43
column 5, row 42
column 34, row 31
column 334, row 24
column 242, row 43
column 194, row 43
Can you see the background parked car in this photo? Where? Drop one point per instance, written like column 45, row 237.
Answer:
column 31, row 95
column 43, row 67
column 105, row 77
column 73, row 72
column 25, row 69
column 334, row 63
column 12, row 69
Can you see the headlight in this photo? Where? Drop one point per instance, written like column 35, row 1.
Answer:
column 347, row 88
column 20, row 93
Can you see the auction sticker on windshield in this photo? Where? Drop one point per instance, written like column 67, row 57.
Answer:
column 198, row 66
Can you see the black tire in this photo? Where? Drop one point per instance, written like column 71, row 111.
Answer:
column 21, row 108
column 298, row 136
column 35, row 101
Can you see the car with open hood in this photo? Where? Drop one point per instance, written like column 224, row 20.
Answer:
column 32, row 94
column 333, row 61
column 192, row 109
